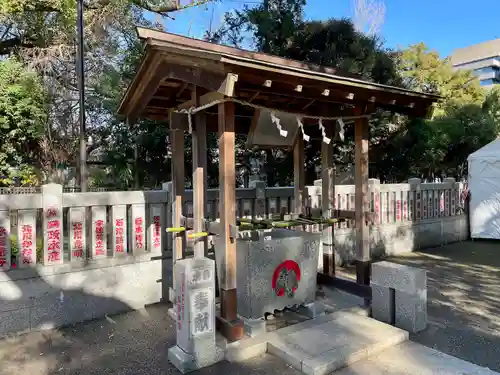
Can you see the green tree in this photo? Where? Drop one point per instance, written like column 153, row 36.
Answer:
column 42, row 34
column 278, row 27
column 23, row 114
column 463, row 121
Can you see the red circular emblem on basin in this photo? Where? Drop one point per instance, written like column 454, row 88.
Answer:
column 286, row 278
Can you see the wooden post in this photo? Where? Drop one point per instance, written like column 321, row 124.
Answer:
column 299, row 176
column 177, row 142
column 199, row 137
column 361, row 135
column 231, row 328
column 327, row 199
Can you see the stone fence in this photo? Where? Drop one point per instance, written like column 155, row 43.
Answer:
column 68, row 257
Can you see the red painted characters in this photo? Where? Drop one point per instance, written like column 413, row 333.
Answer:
column 54, row 248
column 180, row 303
column 156, row 232
column 77, row 240
column 139, row 233
column 286, row 278
column 119, row 236
column 27, row 244
column 4, row 237
column 99, row 237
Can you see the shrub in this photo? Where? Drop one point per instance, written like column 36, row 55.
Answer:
column 15, row 249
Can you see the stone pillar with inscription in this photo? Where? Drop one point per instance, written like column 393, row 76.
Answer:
column 52, row 224
column 195, row 309
column 5, row 248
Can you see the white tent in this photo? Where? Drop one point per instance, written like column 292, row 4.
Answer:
column 484, row 187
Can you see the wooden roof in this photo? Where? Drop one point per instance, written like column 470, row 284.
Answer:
column 174, row 65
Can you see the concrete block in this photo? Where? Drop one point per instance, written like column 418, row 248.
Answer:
column 249, row 348
column 383, row 303
column 411, row 311
column 254, row 327
column 399, row 277
column 172, row 313
column 289, row 353
column 312, row 310
column 186, row 363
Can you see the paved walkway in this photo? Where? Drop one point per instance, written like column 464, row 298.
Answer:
column 135, row 343
column 464, row 314
column 463, row 300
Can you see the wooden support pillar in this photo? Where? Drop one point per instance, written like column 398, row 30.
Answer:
column 299, row 194
column 327, row 201
column 136, row 158
column 361, row 135
column 178, row 180
column 199, row 137
column 231, row 328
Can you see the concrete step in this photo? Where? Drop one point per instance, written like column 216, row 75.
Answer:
column 324, row 348
column 410, row 358
column 322, row 345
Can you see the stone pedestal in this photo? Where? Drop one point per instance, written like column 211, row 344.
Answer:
column 276, row 269
column 399, row 295
column 195, row 310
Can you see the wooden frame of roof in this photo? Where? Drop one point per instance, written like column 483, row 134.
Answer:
column 181, row 73
column 174, row 64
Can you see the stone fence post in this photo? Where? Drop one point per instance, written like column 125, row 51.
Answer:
column 5, row 248
column 454, row 199
column 374, row 198
column 52, row 224
column 415, row 186
column 259, row 209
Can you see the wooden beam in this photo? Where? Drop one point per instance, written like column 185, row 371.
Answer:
column 299, row 176
column 178, row 180
column 361, row 135
column 228, row 85
column 202, row 100
column 231, row 328
column 146, row 88
column 310, row 108
column 212, row 81
column 183, row 87
column 199, row 137
column 283, row 84
column 327, row 204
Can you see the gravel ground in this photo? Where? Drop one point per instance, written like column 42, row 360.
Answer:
column 133, row 343
column 463, row 298
column 463, row 308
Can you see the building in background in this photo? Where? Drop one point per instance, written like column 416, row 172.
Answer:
column 483, row 59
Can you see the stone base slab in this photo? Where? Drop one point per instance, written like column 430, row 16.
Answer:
column 254, row 346
column 172, row 313
column 329, row 346
column 410, row 358
column 185, row 362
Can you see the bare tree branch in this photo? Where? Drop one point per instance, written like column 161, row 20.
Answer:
column 369, row 15
column 166, row 6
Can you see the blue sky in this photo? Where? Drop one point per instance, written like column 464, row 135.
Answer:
column 441, row 24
